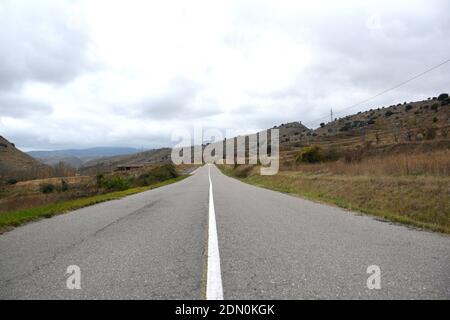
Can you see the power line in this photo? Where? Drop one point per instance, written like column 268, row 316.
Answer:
column 385, row 91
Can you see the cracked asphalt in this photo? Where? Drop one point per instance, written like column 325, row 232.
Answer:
column 272, row 246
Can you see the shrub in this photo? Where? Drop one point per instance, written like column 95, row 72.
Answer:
column 11, row 181
column 115, row 183
column 243, row 171
column 354, row 155
column 388, row 113
column 443, row 96
column 157, row 174
column 64, row 185
column 435, row 107
column 330, row 154
column 99, row 179
column 371, row 121
column 445, row 102
column 310, row 154
column 408, row 107
column 430, row 133
column 435, row 119
column 322, row 125
column 47, row 188
column 347, row 126
column 164, row 172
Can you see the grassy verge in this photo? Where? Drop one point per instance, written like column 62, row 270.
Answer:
column 19, row 217
column 417, row 201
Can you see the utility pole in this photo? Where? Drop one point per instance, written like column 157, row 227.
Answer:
column 331, row 115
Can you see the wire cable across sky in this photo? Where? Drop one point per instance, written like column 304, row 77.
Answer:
column 382, row 92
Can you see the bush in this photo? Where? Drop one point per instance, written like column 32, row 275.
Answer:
column 47, row 188
column 99, row 179
column 243, row 171
column 443, row 96
column 114, row 183
column 354, row 155
column 371, row 121
column 322, row 125
column 310, row 154
column 408, row 107
column 430, row 133
column 347, row 126
column 388, row 114
column 157, row 174
column 435, row 107
column 11, row 181
column 164, row 172
column 64, row 185
column 330, row 154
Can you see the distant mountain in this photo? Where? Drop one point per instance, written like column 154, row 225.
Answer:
column 72, row 161
column 90, row 152
column 149, row 157
column 77, row 157
column 17, row 164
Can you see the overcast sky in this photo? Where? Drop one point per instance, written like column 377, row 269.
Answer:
column 89, row 73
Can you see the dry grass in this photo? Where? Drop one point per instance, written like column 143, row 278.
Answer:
column 422, row 201
column 434, row 163
column 36, row 183
column 19, row 217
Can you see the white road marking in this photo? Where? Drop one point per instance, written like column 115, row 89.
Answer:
column 214, row 289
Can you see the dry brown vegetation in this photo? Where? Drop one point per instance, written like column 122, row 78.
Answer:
column 32, row 193
column 404, row 182
column 434, row 163
column 27, row 194
column 420, row 201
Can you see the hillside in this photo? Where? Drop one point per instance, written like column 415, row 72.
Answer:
column 17, row 164
column 413, row 121
column 156, row 156
column 391, row 162
column 77, row 157
column 414, row 125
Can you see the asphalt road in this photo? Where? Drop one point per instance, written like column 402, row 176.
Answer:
column 154, row 245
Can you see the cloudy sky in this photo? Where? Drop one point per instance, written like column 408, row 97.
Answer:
column 89, row 73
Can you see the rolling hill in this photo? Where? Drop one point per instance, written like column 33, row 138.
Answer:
column 100, row 165
column 77, row 157
column 17, row 164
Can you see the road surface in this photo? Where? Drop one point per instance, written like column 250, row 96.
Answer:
column 248, row 243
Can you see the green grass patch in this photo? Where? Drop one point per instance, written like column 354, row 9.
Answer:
column 19, row 217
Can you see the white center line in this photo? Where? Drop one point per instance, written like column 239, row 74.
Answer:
column 214, row 289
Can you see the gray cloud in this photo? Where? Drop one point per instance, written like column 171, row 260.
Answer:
column 231, row 68
column 178, row 101
column 38, row 44
column 17, row 106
